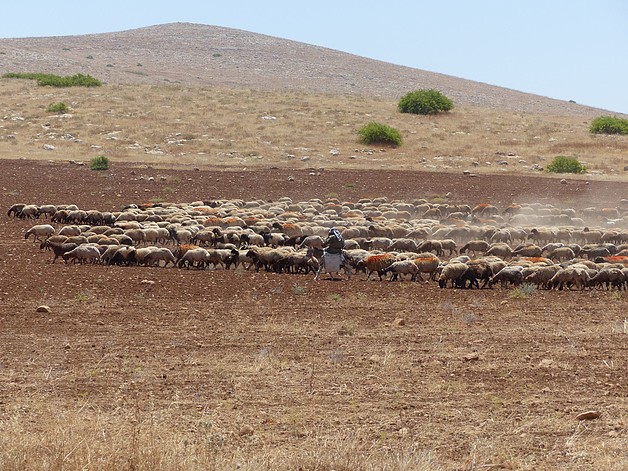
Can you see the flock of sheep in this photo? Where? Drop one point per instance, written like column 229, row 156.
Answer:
column 452, row 244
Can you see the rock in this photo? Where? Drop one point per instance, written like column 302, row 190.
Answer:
column 466, row 172
column 375, row 358
column 589, row 415
column 48, row 147
column 563, row 181
column 290, row 178
column 399, row 321
column 546, row 363
column 471, row 357
column 43, row 308
column 147, row 282
column 305, row 158
column 503, row 162
column 334, row 152
column 246, row 431
column 626, row 168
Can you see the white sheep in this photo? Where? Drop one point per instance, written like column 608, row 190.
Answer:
column 402, row 267
column 83, row 253
column 40, row 230
column 451, row 272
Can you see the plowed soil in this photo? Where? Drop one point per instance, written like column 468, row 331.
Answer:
column 479, row 379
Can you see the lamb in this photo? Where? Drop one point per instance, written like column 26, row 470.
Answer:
column 451, row 272
column 511, row 274
column 378, row 263
column 40, row 230
column 83, row 253
column 402, row 267
column 475, row 246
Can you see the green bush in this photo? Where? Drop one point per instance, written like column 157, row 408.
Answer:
column 60, row 108
column 562, row 164
column 99, row 163
column 78, row 80
column 424, row 102
column 377, row 133
column 609, row 125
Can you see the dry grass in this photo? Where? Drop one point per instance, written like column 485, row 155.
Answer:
column 173, row 125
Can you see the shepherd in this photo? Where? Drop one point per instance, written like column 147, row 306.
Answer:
column 332, row 256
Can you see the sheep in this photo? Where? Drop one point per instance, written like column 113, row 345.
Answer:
column 83, row 253
column 402, row 245
column 500, row 250
column 222, row 257
column 511, row 274
column 562, row 253
column 478, row 270
column 431, row 246
column 158, row 254
column 426, row 263
column 451, row 272
column 475, row 246
column 30, row 211
column 571, row 276
column 313, row 241
column 48, row 210
column 378, row 263
column 252, row 239
column 54, row 239
column 59, row 249
column 70, row 231
column 124, row 255
column 40, row 230
column 198, row 256
column 541, row 276
column 528, row 250
column 402, row 267
column 608, row 277
column 15, row 210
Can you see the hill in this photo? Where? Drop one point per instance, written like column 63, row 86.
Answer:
column 212, row 56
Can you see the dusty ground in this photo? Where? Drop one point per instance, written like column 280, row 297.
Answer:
column 246, row 363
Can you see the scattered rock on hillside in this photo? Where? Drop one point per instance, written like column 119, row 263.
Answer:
column 43, row 308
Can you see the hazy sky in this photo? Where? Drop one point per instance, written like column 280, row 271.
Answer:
column 565, row 49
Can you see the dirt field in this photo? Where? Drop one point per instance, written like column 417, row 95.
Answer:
column 238, row 370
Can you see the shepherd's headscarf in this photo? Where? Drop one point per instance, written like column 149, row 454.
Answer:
column 336, row 233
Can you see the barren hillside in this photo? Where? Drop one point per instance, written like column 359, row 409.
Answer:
column 201, row 55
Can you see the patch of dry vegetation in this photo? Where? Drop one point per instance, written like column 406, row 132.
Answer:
column 172, row 125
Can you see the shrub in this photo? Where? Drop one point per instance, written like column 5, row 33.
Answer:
column 99, row 163
column 562, row 164
column 58, row 108
column 78, row 80
column 609, row 125
column 424, row 102
column 377, row 133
